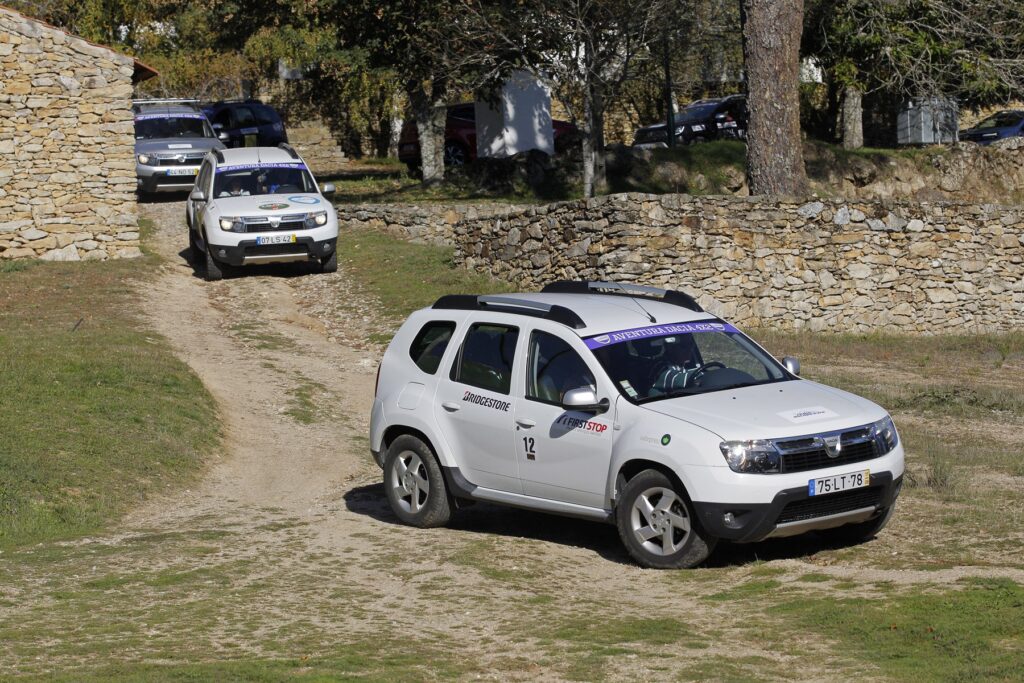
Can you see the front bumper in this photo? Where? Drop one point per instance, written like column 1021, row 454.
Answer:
column 248, row 252
column 793, row 511
column 159, row 179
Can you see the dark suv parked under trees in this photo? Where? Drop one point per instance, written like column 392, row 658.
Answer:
column 248, row 123
column 713, row 119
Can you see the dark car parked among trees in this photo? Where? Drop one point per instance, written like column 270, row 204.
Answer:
column 1003, row 124
column 711, row 119
column 248, row 123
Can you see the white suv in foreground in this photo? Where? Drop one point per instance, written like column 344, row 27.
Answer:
column 629, row 405
column 259, row 205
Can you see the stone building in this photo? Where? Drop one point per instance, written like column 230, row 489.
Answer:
column 67, row 172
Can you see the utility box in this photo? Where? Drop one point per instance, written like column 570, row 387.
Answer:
column 930, row 121
column 519, row 122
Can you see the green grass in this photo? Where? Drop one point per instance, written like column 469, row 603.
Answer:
column 95, row 411
column 406, row 276
column 305, row 401
column 971, row 634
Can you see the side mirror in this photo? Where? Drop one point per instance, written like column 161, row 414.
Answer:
column 329, row 190
column 197, row 196
column 584, row 400
column 792, row 364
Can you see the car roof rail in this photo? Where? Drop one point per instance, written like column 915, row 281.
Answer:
column 668, row 296
column 510, row 304
column 288, row 148
column 219, row 156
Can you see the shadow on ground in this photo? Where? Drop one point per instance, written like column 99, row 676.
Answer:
column 603, row 539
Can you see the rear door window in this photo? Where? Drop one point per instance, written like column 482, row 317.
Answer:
column 244, row 117
column 429, row 345
column 485, row 359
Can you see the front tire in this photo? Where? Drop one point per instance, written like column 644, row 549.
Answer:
column 214, row 271
column 657, row 525
column 414, row 484
column 330, row 264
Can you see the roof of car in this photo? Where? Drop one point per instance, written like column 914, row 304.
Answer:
column 257, row 155
column 170, row 109
column 587, row 314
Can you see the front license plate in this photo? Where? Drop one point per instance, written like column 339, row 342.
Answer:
column 840, row 482
column 276, row 239
column 182, row 171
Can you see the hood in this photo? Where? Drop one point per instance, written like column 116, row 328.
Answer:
column 780, row 409
column 180, row 145
column 270, row 204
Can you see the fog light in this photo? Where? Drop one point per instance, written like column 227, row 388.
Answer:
column 327, row 246
column 728, row 519
column 222, row 253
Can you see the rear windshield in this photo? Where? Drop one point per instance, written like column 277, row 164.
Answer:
column 697, row 112
column 259, row 179
column 155, row 126
column 1003, row 119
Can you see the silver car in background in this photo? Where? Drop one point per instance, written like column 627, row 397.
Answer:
column 171, row 139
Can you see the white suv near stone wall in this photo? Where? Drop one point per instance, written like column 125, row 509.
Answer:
column 629, row 405
column 257, row 205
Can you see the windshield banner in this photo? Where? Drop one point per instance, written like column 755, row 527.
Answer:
column 652, row 331
column 169, row 115
column 254, row 167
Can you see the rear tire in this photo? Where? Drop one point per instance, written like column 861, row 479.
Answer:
column 214, row 270
column 414, row 484
column 657, row 525
column 330, row 264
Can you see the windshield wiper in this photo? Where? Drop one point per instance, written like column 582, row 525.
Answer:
column 675, row 393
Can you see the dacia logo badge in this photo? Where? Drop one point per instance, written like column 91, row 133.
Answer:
column 832, row 446
column 274, row 221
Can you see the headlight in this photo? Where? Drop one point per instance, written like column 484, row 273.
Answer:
column 885, row 434
column 756, row 456
column 228, row 223
column 680, row 130
column 320, row 218
column 144, row 159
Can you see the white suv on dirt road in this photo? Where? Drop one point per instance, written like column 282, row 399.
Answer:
column 259, row 205
column 629, row 405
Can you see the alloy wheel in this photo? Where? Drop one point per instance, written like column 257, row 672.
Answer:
column 408, row 479
column 659, row 521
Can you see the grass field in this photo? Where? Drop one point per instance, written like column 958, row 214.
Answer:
column 95, row 411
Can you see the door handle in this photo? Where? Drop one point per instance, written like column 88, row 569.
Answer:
column 450, row 407
column 525, row 422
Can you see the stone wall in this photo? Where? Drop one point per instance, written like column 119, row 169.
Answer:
column 67, row 174
column 859, row 266
column 429, row 223
column 317, row 147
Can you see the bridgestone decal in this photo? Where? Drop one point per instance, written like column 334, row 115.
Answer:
column 486, row 402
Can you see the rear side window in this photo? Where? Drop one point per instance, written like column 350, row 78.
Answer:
column 244, row 117
column 430, row 344
column 485, row 360
column 265, row 115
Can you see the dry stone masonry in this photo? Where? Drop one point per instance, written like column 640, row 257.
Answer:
column 67, row 175
column 820, row 265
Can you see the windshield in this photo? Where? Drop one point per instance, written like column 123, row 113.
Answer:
column 1003, row 119
column 154, row 126
column 682, row 359
column 260, row 179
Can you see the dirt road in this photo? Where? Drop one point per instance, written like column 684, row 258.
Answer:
column 287, row 549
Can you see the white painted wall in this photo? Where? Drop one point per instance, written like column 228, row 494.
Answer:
column 521, row 121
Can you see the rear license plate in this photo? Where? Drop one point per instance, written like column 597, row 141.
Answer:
column 182, row 171
column 840, row 482
column 276, row 239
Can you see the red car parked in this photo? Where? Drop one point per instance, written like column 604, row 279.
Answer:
column 460, row 138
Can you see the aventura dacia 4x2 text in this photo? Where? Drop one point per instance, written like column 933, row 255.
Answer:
column 630, row 405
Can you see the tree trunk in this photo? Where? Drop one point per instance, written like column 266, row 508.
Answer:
column 853, row 120
column 430, row 113
column 594, row 180
column 775, row 163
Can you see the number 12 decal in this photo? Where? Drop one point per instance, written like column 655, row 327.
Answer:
column 528, row 444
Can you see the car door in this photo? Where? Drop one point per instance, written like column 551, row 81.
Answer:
column 248, row 129
column 474, row 406
column 563, row 454
column 196, row 207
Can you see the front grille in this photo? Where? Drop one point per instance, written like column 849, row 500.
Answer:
column 808, row 453
column 180, row 160
column 831, row 504
column 290, row 222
